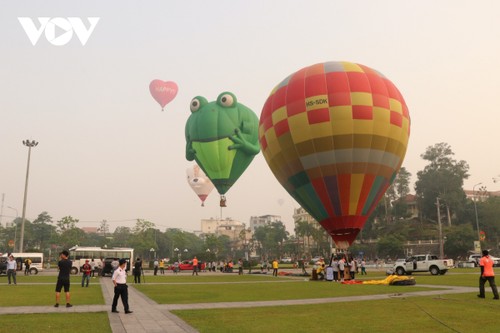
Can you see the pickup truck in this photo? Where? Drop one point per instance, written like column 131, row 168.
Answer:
column 423, row 263
column 474, row 258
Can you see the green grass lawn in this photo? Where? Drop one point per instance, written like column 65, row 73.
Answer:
column 454, row 313
column 445, row 313
column 236, row 288
column 42, row 292
column 56, row 322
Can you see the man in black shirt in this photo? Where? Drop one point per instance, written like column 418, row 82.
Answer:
column 137, row 270
column 63, row 278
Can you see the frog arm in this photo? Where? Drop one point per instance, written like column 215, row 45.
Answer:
column 190, row 152
column 241, row 143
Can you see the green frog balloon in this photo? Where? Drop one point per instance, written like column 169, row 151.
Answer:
column 222, row 136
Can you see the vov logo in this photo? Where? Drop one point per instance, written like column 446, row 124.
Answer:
column 58, row 30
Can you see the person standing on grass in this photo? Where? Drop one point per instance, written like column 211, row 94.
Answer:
column 487, row 274
column 137, row 270
column 341, row 269
column 27, row 264
column 92, row 267
column 353, row 268
column 121, row 289
column 335, row 266
column 86, row 269
column 195, row 266
column 64, row 266
column 155, row 264
column 162, row 266
column 363, row 267
column 275, row 267
column 240, row 266
column 11, row 269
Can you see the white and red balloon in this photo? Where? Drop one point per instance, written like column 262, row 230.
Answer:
column 163, row 91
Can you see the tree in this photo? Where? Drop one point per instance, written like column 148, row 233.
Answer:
column 66, row 223
column 43, row 231
column 142, row 225
column 103, row 228
column 270, row 238
column 443, row 177
column 121, row 237
column 488, row 218
column 304, row 229
column 71, row 237
column 390, row 246
column 459, row 240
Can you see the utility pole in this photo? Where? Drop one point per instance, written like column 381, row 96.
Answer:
column 441, row 245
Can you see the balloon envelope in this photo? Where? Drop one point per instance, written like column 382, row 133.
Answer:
column 199, row 182
column 221, row 136
column 163, row 91
column 335, row 134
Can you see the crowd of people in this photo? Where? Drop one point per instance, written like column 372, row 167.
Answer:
column 338, row 270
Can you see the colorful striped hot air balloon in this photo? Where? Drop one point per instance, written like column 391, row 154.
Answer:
column 335, row 134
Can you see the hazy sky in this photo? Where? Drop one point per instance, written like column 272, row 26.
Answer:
column 106, row 151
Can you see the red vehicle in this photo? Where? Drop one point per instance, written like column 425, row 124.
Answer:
column 187, row 265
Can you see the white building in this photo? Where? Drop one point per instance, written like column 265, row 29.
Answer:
column 228, row 227
column 258, row 221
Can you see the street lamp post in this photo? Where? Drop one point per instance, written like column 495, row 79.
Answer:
column 29, row 144
column 152, row 251
column 475, row 211
column 176, row 250
column 15, row 230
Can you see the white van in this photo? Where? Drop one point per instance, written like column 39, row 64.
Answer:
column 36, row 261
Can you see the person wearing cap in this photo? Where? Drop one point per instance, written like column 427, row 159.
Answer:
column 64, row 266
column 86, row 269
column 121, row 289
column 487, row 274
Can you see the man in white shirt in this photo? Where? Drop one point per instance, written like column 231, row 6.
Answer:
column 11, row 268
column 121, row 289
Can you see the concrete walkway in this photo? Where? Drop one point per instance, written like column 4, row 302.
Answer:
column 149, row 316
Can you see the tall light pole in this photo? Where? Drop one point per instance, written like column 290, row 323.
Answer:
column 475, row 210
column 29, row 144
column 15, row 230
column 441, row 243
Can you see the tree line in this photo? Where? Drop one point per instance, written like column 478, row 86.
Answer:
column 384, row 235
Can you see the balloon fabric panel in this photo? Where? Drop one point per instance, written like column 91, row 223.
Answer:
column 222, row 137
column 199, row 182
column 334, row 135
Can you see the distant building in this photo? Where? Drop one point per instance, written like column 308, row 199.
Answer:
column 299, row 215
column 480, row 195
column 411, row 202
column 258, row 221
column 228, row 227
column 90, row 230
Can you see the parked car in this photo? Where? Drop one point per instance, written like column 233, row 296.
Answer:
column 187, row 265
column 316, row 259
column 474, row 258
column 423, row 263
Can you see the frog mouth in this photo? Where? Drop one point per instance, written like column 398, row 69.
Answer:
column 212, row 139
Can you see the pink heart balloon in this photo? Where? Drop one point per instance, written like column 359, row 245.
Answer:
column 163, row 91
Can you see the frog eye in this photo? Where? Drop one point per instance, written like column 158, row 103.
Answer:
column 195, row 104
column 227, row 99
